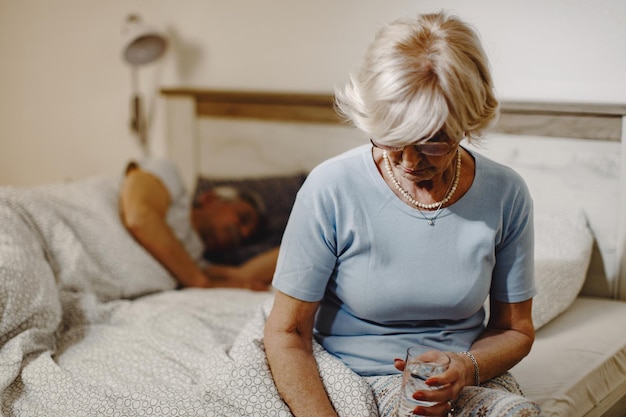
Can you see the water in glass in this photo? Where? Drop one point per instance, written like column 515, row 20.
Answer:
column 414, row 377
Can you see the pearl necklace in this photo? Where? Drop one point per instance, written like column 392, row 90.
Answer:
column 437, row 205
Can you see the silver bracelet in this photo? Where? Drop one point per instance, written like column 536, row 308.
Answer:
column 476, row 370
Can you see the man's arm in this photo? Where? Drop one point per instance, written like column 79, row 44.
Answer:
column 144, row 202
column 256, row 273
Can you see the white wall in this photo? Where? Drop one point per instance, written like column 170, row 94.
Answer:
column 64, row 89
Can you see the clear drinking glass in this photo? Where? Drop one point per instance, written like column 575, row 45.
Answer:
column 421, row 363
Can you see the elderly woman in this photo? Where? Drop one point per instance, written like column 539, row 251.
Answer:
column 401, row 241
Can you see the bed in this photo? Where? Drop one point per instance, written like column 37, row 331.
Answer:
column 92, row 325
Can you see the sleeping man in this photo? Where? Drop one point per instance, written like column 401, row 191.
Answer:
column 158, row 212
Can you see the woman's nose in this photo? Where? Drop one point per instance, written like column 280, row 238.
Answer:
column 411, row 156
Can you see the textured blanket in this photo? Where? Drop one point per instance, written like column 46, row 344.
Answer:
column 91, row 325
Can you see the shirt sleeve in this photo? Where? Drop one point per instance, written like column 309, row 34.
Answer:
column 307, row 254
column 513, row 275
column 166, row 171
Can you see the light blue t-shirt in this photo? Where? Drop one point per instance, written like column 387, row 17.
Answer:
column 386, row 279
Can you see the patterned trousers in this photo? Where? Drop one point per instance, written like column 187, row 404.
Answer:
column 498, row 397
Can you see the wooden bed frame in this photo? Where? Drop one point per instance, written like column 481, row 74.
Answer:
column 605, row 122
column 571, row 120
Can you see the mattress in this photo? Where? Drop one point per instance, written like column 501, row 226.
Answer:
column 578, row 359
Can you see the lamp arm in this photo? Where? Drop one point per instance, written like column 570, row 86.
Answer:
column 138, row 120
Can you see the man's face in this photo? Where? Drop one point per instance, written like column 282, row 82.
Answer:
column 224, row 224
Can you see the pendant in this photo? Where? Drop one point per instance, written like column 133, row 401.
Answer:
column 431, row 222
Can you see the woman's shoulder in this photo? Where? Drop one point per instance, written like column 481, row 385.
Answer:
column 493, row 175
column 338, row 175
column 493, row 168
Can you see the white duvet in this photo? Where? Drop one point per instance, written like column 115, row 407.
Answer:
column 91, row 325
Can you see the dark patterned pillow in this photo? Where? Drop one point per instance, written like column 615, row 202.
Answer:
column 278, row 194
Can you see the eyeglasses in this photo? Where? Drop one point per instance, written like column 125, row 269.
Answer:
column 438, row 145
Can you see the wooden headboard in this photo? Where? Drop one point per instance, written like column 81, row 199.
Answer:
column 585, row 121
column 570, row 120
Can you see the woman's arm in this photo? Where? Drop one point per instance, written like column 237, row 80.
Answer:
column 507, row 339
column 144, row 202
column 288, row 344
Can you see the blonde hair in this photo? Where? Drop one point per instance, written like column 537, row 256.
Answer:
column 420, row 76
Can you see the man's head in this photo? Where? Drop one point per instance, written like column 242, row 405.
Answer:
column 225, row 216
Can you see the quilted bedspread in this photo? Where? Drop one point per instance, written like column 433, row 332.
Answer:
column 92, row 325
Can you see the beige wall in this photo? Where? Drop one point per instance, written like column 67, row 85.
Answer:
column 64, row 90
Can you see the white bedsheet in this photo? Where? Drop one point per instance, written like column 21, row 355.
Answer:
column 91, row 325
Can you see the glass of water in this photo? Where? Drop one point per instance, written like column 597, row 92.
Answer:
column 421, row 363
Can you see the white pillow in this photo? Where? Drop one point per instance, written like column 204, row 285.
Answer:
column 563, row 245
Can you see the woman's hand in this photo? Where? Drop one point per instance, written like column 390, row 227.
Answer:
column 446, row 387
